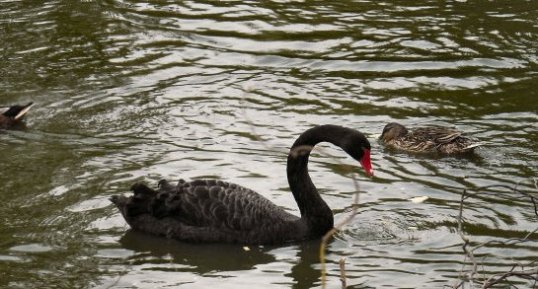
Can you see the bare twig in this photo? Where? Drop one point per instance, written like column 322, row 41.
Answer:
column 530, row 274
column 527, row 274
column 343, row 272
column 336, row 228
column 301, row 150
column 466, row 241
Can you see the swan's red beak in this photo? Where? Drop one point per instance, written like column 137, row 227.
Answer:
column 366, row 163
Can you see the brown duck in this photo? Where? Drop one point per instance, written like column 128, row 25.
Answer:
column 13, row 115
column 428, row 139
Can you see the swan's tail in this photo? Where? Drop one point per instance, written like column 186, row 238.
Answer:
column 138, row 204
column 146, row 210
column 17, row 112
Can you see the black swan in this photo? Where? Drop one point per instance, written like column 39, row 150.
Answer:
column 429, row 139
column 14, row 115
column 215, row 211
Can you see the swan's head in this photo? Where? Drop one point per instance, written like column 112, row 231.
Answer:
column 392, row 131
column 358, row 147
column 353, row 142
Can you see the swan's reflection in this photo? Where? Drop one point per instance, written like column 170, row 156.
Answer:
column 205, row 257
column 226, row 257
column 304, row 273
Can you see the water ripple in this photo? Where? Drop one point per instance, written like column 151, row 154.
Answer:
column 142, row 90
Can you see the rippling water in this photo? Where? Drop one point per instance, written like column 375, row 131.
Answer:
column 144, row 90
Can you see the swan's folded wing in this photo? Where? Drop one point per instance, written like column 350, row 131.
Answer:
column 217, row 204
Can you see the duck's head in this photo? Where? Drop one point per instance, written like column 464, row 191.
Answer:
column 393, row 130
column 17, row 112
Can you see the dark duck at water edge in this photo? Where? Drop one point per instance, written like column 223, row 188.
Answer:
column 13, row 116
column 204, row 211
column 428, row 139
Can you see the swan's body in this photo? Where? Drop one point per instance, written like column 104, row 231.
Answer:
column 13, row 115
column 199, row 211
column 216, row 211
column 429, row 139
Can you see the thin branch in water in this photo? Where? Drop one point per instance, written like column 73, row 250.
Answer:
column 325, row 239
column 343, row 272
column 528, row 274
column 530, row 195
column 466, row 241
column 301, row 150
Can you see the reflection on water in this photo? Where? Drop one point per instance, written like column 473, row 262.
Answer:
column 212, row 261
column 205, row 258
column 144, row 90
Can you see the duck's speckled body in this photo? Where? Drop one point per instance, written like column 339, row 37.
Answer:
column 13, row 116
column 429, row 139
column 215, row 211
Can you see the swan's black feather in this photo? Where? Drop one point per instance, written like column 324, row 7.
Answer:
column 217, row 211
column 244, row 215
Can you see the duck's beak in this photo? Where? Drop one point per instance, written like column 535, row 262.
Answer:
column 366, row 163
column 23, row 112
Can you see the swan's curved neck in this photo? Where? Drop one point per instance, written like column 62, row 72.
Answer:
column 313, row 209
